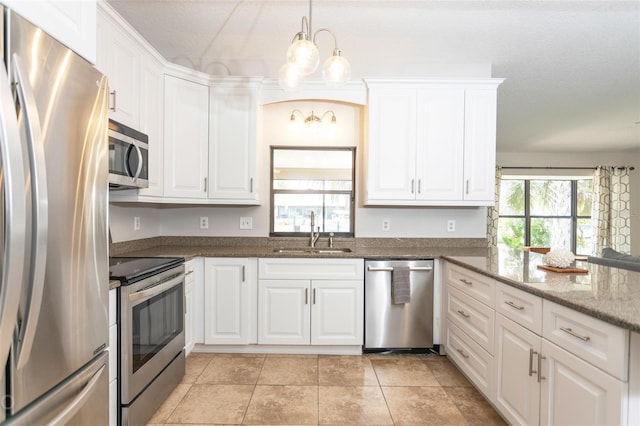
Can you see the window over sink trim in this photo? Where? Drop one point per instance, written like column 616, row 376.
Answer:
column 325, row 184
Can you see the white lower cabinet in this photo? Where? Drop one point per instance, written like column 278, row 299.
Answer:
column 229, row 300
column 517, row 387
column 575, row 392
column 311, row 301
column 194, row 303
column 551, row 365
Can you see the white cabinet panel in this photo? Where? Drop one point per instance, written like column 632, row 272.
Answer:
column 228, row 291
column 337, row 312
column 392, row 145
column 602, row 344
column 284, row 312
column 516, row 356
column 474, row 361
column 519, row 306
column 186, row 135
column 575, row 392
column 480, row 144
column 151, row 121
column 311, row 301
column 431, row 142
column 440, row 144
column 232, row 143
column 473, row 317
column 73, row 23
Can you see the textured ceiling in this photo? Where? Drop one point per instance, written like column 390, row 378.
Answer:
column 572, row 68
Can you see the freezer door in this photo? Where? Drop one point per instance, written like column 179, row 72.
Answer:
column 63, row 313
column 83, row 399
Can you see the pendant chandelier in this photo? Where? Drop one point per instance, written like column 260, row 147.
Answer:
column 303, row 59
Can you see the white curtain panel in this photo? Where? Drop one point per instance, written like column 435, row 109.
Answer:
column 611, row 209
column 493, row 213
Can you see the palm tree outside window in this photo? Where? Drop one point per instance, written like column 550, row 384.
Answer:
column 550, row 212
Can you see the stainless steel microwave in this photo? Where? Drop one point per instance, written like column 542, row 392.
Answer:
column 128, row 157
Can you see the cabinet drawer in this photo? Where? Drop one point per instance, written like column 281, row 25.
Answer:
column 475, row 285
column 473, row 317
column 519, row 306
column 311, row 269
column 475, row 362
column 602, row 344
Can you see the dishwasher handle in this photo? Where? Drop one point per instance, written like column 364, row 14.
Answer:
column 390, row 269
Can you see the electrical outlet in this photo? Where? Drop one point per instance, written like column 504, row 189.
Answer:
column 451, row 226
column 204, row 222
column 136, row 223
column 246, row 223
column 386, row 224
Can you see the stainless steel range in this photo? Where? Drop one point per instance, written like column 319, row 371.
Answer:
column 151, row 358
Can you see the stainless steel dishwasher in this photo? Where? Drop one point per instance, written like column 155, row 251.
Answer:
column 398, row 326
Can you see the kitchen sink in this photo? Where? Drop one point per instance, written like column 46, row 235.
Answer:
column 312, row 250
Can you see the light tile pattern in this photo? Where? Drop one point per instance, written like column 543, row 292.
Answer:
column 384, row 389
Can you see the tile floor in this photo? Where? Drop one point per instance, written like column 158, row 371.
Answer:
column 326, row 390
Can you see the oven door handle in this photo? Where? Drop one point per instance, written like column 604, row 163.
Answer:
column 161, row 287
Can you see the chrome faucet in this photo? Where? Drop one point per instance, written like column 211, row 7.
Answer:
column 314, row 236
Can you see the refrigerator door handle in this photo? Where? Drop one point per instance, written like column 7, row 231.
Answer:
column 40, row 202
column 79, row 401
column 15, row 217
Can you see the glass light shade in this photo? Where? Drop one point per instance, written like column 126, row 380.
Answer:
column 336, row 70
column 305, row 55
column 289, row 77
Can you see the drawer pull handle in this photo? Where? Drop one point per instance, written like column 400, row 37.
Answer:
column 306, row 296
column 531, row 370
column 540, row 376
column 513, row 305
column 188, row 273
column 466, row 281
column 462, row 353
column 464, row 314
column 574, row 334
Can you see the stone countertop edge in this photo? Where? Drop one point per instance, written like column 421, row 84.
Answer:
column 565, row 301
column 113, row 284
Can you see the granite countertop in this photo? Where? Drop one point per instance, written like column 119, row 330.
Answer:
column 606, row 293
column 189, row 252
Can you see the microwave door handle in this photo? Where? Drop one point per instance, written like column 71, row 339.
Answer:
column 127, row 156
column 39, row 200
column 148, row 293
column 14, row 210
column 135, row 178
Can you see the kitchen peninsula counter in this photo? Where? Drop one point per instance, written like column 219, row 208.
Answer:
column 609, row 294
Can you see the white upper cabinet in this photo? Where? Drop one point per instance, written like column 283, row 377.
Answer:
column 232, row 143
column 431, row 142
column 186, row 138
column 480, row 144
column 152, row 121
column 119, row 59
column 73, row 23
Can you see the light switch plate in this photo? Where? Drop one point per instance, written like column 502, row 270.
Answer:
column 246, row 223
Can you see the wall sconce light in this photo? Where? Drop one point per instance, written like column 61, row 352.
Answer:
column 312, row 119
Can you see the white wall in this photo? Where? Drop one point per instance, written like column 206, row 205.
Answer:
column 275, row 129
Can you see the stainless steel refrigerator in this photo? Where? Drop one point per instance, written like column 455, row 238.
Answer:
column 53, row 190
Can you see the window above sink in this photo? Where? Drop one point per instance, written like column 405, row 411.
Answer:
column 312, row 179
